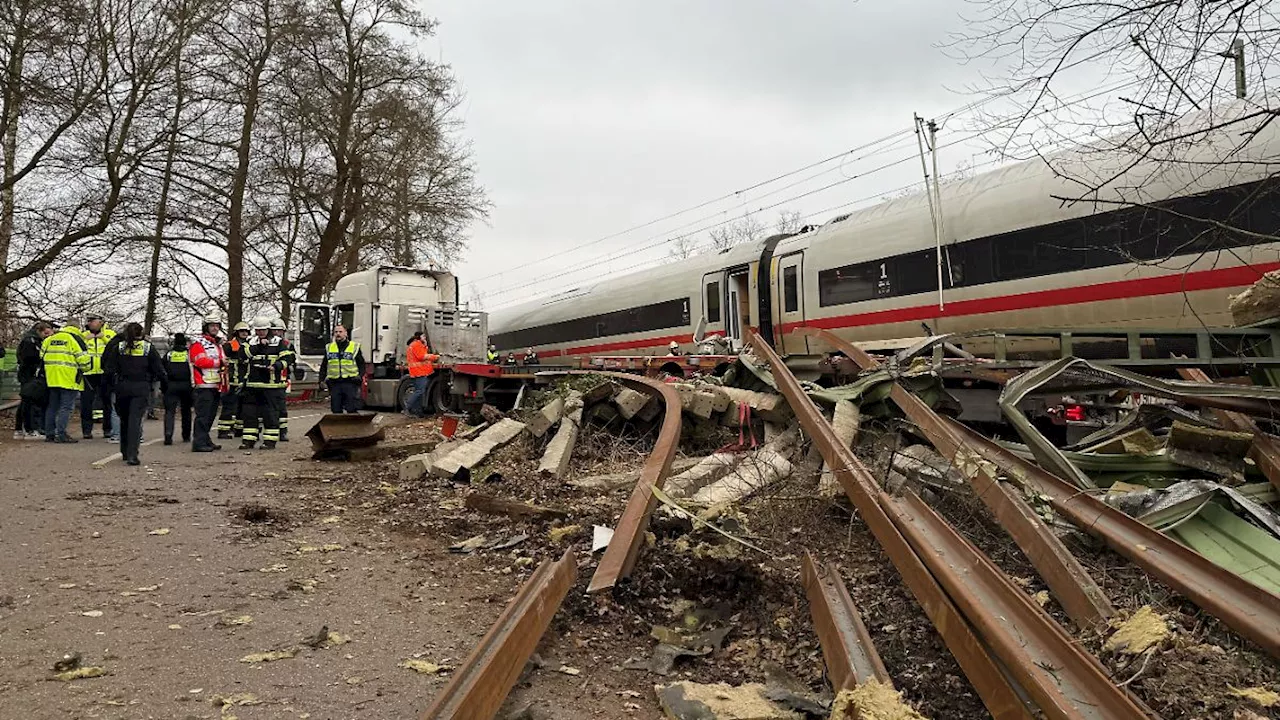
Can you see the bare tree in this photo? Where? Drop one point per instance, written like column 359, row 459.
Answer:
column 789, row 221
column 682, row 247
column 747, row 229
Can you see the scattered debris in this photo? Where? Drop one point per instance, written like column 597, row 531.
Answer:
column 1262, row 697
column 470, row 545
column 720, row 701
column 159, row 531
column 81, row 673
column 92, row 613
column 463, row 459
column 423, row 667
column 555, row 461
column 1144, row 630
column 872, row 700
column 266, row 657
column 68, row 662
column 600, row 537
column 560, row 534
column 484, row 503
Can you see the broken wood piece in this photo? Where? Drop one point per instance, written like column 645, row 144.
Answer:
column 630, row 402
column 492, row 505
column 544, row 419
column 468, row 455
column 921, row 465
column 695, row 701
column 846, row 423
column 758, row 470
column 768, row 406
column 555, row 461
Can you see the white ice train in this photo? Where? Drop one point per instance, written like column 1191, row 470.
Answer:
column 1013, row 256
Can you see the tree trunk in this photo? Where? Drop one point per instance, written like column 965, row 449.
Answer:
column 162, row 206
column 12, row 111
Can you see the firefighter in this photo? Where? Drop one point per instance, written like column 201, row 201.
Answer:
column 177, row 396
column 95, row 400
column 342, row 370
column 291, row 362
column 66, row 358
column 208, row 380
column 266, row 377
column 234, row 348
column 131, row 365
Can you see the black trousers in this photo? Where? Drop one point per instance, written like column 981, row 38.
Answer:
column 259, row 405
column 277, row 398
column 130, row 408
column 95, row 392
column 344, row 396
column 30, row 417
column 175, row 399
column 231, row 413
column 206, row 406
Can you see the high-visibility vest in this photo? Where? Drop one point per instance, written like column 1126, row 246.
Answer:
column 263, row 356
column 420, row 359
column 177, row 356
column 141, row 349
column 95, row 345
column 65, row 359
column 341, row 364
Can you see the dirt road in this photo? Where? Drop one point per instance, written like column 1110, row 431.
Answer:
column 169, row 575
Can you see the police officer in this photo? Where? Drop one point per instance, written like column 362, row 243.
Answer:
column 266, row 376
column 130, row 366
column 493, row 357
column 66, row 357
column 178, row 393
column 341, row 370
column 237, row 353
column 531, row 357
column 291, row 364
column 95, row 400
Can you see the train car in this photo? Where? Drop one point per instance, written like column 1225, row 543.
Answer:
column 1162, row 245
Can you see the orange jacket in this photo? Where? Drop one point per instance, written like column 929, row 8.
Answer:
column 420, row 359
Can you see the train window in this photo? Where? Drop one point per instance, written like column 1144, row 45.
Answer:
column 713, row 302
column 790, row 289
column 853, row 283
column 916, row 272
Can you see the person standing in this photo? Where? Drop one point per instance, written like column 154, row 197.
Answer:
column 281, row 398
column 130, row 365
column 531, row 357
column 236, row 354
column 177, row 394
column 95, row 401
column 208, row 380
column 29, row 422
column 66, row 358
column 421, row 366
column 342, row 369
column 266, row 377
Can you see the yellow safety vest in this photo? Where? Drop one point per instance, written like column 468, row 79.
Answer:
column 95, row 345
column 65, row 359
column 178, row 356
column 140, row 350
column 341, row 364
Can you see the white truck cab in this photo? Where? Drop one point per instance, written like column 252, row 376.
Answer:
column 381, row 308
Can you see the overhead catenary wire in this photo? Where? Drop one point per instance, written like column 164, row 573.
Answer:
column 670, row 236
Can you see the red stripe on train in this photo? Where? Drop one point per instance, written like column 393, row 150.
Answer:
column 1216, row 279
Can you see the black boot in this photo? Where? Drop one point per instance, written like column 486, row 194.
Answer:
column 268, row 444
column 168, row 439
column 224, row 434
column 246, row 445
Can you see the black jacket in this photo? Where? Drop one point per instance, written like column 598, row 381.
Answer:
column 29, row 360
column 131, row 375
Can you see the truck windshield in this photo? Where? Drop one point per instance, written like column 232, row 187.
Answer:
column 313, row 329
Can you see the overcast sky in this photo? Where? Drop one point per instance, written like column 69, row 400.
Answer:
column 590, row 117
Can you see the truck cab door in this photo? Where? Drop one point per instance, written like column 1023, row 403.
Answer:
column 312, row 331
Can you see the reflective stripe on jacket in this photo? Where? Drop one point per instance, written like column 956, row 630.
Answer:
column 340, row 364
column 268, row 363
column 95, row 345
column 66, row 359
column 207, row 361
column 175, row 365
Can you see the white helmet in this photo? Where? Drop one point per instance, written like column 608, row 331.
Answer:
column 277, row 323
column 261, row 322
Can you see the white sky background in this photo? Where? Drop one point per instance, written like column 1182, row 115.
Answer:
column 589, row 117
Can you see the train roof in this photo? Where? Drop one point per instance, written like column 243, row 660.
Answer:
column 1013, row 197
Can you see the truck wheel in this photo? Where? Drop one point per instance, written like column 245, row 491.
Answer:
column 441, row 395
column 402, row 394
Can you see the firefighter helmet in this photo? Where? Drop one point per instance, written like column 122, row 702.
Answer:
column 242, row 325
column 261, row 322
column 277, row 323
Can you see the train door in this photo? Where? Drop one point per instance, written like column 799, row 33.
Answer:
column 788, row 304
column 738, row 307
column 713, row 293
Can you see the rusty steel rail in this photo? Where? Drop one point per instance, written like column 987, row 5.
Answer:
column 846, row 645
column 1062, row 679
column 480, row 686
column 1266, row 448
column 1084, row 602
column 628, row 537
column 1251, row 611
column 993, row 686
